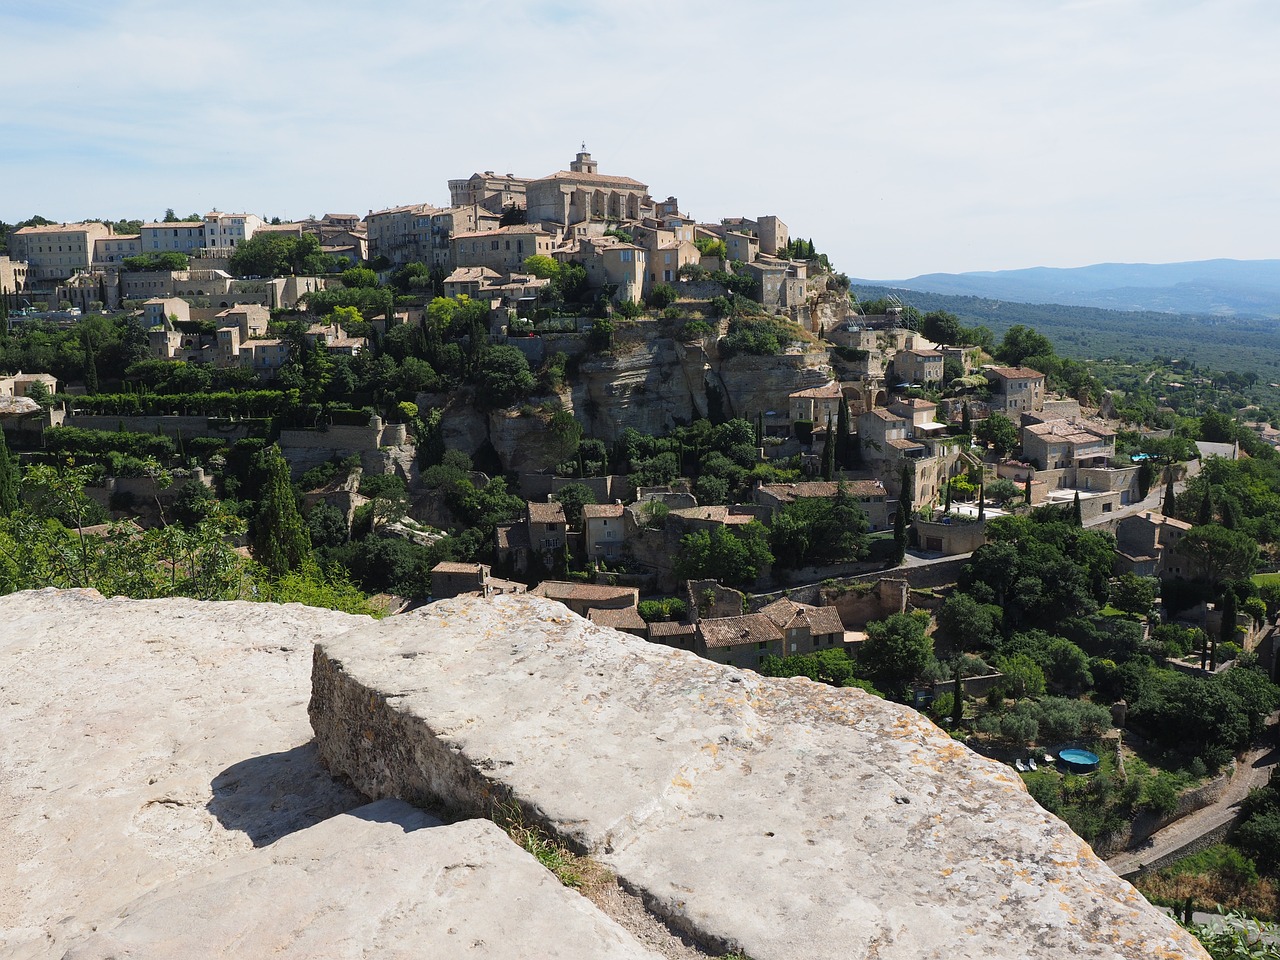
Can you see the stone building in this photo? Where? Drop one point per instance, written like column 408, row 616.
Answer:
column 583, row 193
column 503, row 249
column 489, row 190
column 57, row 251
column 1015, row 390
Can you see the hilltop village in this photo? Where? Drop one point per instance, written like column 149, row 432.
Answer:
column 688, row 431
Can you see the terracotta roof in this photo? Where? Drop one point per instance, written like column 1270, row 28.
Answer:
column 564, row 590
column 628, row 618
column 601, row 179
column 1071, row 430
column 545, row 512
column 1161, row 520
column 471, row 273
column 788, row 614
column 826, row 390
column 881, row 414
column 916, row 403
column 1014, row 373
column 813, row 489
column 670, row 628
column 58, row 228
column 514, row 537
column 599, row 511
column 513, row 229
column 714, row 513
column 732, row 631
column 899, row 444
column 925, row 353
column 449, row 566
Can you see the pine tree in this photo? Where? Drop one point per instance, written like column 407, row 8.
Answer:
column 1077, row 518
column 1170, row 498
column 828, row 453
column 281, row 541
column 8, row 480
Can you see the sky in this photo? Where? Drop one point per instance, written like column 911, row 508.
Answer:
column 902, row 136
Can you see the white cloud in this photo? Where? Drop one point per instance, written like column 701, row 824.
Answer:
column 904, row 138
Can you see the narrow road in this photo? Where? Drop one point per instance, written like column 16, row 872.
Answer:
column 1251, row 771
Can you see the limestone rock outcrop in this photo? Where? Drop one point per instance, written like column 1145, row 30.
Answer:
column 160, row 796
column 780, row 818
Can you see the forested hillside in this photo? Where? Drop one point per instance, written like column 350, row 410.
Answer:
column 1221, row 343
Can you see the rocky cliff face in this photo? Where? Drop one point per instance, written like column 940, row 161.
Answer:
column 651, row 386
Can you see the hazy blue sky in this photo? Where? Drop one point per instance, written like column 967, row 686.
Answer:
column 903, row 137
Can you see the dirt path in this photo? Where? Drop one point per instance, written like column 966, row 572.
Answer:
column 1252, row 771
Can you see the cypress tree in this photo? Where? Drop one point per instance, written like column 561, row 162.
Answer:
column 966, row 420
column 1076, row 517
column 8, row 480
column 1230, row 514
column 760, row 428
column 900, row 532
column 946, row 503
column 842, row 435
column 982, row 502
column 1026, row 491
column 828, row 453
column 281, row 541
column 1206, row 507
column 957, row 699
column 1227, row 631
column 1170, row 498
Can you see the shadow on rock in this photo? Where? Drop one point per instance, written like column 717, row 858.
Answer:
column 274, row 795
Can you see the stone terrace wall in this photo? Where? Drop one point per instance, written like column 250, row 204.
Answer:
column 776, row 818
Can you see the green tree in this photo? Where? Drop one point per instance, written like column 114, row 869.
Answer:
column 1021, row 344
column 1170, row 506
column 281, row 542
column 359, row 277
column 1023, row 677
column 541, row 266
column 999, row 431
column 572, row 497
column 503, row 376
column 941, row 327
column 9, row 481
column 895, row 652
column 718, row 554
column 828, row 453
column 844, row 458
column 661, row 296
column 1218, row 553
column 1134, row 594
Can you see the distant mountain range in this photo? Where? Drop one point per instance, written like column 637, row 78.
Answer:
column 1225, row 288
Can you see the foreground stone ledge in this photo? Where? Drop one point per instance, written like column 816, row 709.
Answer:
column 143, row 740
column 385, row 880
column 781, row 818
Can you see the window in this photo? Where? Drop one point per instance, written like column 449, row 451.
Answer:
column 493, row 244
